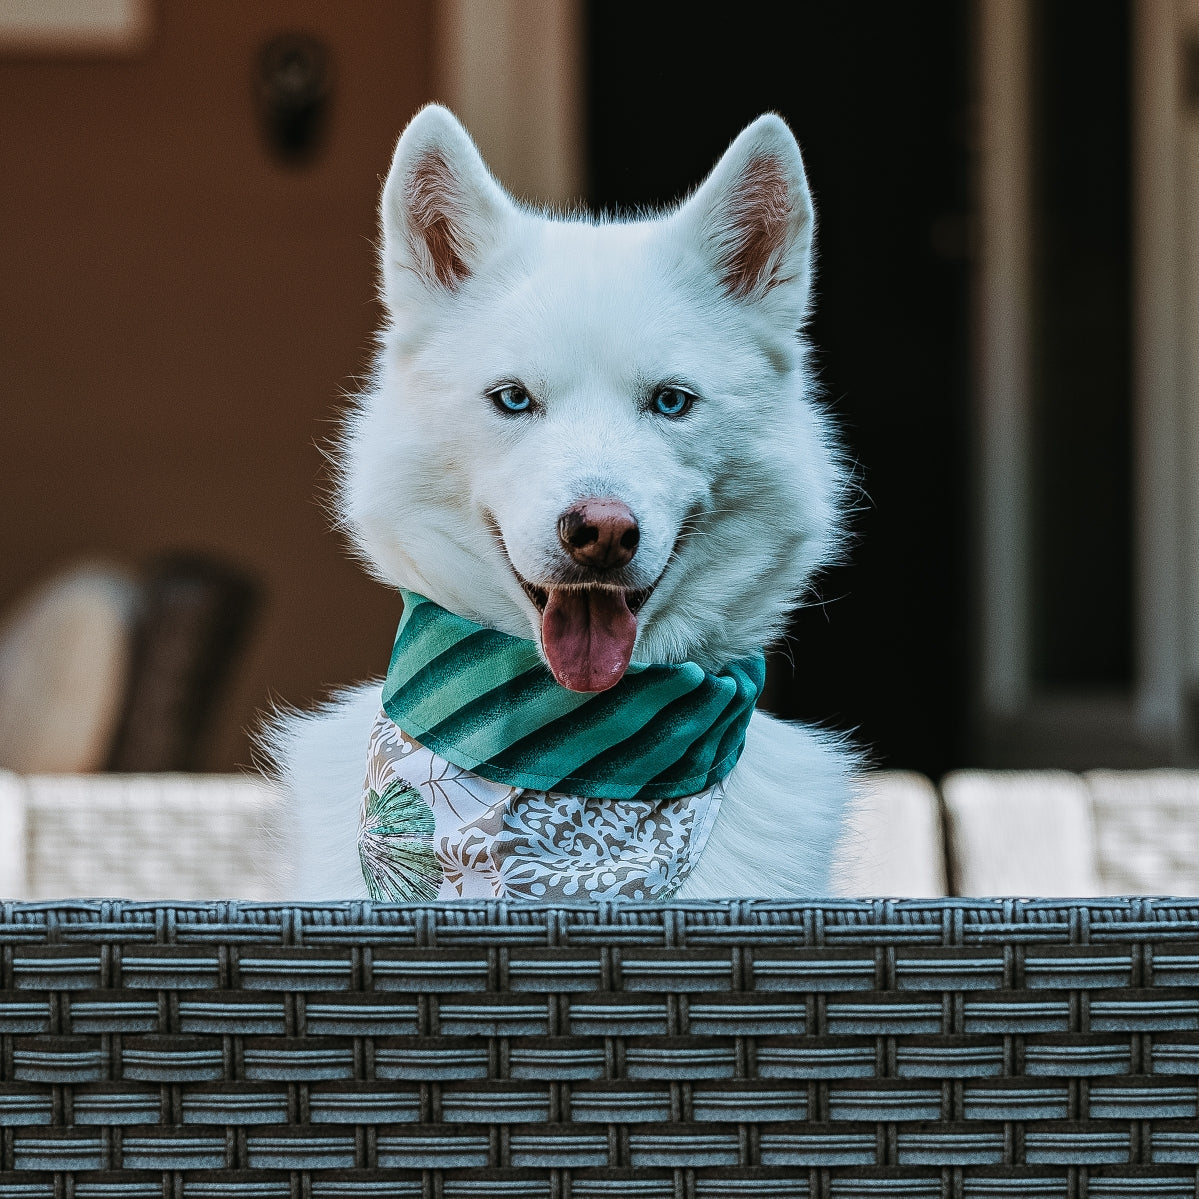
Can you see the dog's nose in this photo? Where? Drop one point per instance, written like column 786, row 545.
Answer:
column 599, row 532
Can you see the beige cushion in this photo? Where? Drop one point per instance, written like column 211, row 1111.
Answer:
column 151, row 836
column 1018, row 832
column 893, row 845
column 1147, row 830
column 64, row 662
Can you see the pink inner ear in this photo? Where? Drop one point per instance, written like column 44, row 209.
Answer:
column 434, row 215
column 756, row 218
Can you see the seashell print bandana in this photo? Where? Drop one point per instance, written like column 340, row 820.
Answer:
column 486, row 702
column 432, row 830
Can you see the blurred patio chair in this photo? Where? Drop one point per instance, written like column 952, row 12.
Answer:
column 105, row 669
column 65, row 654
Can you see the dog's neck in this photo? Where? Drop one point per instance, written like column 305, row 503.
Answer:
column 486, row 702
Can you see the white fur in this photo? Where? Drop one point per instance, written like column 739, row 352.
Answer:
column 739, row 503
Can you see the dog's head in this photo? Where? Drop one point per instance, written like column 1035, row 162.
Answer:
column 597, row 434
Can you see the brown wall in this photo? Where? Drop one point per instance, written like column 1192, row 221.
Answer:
column 179, row 315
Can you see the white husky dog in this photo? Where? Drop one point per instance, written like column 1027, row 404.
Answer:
column 597, row 436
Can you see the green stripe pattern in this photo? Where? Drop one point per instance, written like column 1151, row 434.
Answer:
column 487, row 702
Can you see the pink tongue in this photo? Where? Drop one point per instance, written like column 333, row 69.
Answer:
column 588, row 637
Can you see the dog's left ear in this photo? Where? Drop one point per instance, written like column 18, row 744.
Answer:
column 753, row 220
column 441, row 213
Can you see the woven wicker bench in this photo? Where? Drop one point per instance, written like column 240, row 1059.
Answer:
column 835, row 1050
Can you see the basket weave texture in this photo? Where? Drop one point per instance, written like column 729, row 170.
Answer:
column 831, row 1050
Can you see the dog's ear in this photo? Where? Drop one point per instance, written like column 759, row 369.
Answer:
column 441, row 209
column 753, row 220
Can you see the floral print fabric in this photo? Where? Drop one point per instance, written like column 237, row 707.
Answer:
column 432, row 830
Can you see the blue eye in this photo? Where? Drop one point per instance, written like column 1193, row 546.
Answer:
column 511, row 398
column 672, row 401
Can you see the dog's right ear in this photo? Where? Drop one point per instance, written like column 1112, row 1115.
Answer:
column 441, row 211
column 753, row 220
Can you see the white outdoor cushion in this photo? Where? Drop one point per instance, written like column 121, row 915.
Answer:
column 1023, row 833
column 1147, row 830
column 151, row 836
column 894, row 844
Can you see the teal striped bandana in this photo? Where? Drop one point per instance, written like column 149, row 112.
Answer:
column 486, row 702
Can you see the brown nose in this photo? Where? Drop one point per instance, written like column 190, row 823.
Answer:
column 599, row 532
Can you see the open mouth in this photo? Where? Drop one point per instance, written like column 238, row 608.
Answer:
column 588, row 627
column 587, row 631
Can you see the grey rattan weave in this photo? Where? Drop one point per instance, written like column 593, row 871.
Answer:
column 927, row 1050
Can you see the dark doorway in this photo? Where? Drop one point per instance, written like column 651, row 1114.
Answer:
column 1081, row 622
column 878, row 95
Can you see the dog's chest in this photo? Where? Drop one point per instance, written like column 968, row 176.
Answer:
column 432, row 830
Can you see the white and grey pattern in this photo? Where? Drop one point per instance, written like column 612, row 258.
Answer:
column 496, row 841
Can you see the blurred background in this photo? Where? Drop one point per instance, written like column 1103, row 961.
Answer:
column 1007, row 194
